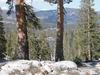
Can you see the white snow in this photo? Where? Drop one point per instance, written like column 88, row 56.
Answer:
column 36, row 63
column 20, row 65
column 65, row 65
column 98, row 65
column 34, row 67
column 47, row 65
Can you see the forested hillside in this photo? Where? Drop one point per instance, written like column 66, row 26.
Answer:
column 64, row 41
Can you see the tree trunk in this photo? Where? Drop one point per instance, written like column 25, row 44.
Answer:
column 22, row 52
column 89, row 37
column 59, row 39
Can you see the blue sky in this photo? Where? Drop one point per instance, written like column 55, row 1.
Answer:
column 41, row 5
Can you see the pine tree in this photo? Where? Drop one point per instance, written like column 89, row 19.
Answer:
column 60, row 28
column 24, row 15
column 86, row 33
column 11, row 45
column 69, row 44
column 23, row 50
column 2, row 39
column 38, row 45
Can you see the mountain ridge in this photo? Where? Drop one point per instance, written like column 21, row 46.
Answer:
column 47, row 18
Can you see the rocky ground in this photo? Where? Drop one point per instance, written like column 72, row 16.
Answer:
column 34, row 67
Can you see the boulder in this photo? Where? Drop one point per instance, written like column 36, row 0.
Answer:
column 34, row 67
column 98, row 65
column 64, row 65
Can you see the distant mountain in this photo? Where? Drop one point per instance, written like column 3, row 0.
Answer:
column 47, row 18
column 9, row 21
column 50, row 17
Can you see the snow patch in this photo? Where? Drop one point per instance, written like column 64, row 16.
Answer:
column 65, row 65
column 98, row 65
column 34, row 67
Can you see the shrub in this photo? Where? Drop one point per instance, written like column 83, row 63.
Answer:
column 78, row 61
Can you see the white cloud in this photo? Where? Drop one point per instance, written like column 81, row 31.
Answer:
column 3, row 4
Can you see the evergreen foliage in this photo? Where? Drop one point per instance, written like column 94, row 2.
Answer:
column 87, row 39
column 81, row 43
column 70, row 51
column 39, row 49
column 59, row 55
column 11, row 45
column 24, row 16
column 31, row 18
column 55, row 1
column 2, row 39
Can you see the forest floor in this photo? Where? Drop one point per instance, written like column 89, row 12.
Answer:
column 34, row 67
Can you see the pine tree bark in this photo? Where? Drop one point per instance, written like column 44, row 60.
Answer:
column 89, row 36
column 22, row 52
column 59, row 41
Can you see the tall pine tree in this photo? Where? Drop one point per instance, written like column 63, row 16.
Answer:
column 24, row 15
column 60, row 28
column 2, row 38
column 87, row 35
